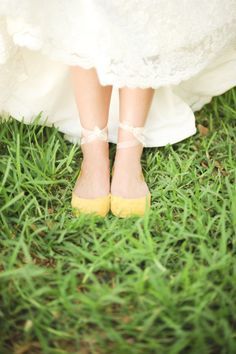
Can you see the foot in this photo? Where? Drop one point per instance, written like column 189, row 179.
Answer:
column 94, row 178
column 127, row 179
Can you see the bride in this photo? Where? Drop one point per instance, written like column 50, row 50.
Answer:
column 128, row 72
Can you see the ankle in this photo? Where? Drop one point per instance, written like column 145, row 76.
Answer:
column 129, row 157
column 96, row 163
column 95, row 149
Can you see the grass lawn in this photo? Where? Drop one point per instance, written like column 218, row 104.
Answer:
column 161, row 284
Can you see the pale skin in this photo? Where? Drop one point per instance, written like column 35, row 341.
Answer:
column 93, row 101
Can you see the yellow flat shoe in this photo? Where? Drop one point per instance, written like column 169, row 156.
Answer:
column 125, row 207
column 98, row 206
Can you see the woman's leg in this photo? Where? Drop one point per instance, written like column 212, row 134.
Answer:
column 134, row 108
column 93, row 101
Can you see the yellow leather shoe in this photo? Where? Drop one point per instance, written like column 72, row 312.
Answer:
column 125, row 207
column 98, row 206
column 128, row 207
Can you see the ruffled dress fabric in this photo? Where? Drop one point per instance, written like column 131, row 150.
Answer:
column 185, row 50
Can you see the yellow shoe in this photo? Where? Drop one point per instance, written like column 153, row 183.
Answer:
column 98, row 206
column 124, row 207
column 127, row 207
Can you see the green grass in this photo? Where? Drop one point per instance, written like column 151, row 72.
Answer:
column 165, row 283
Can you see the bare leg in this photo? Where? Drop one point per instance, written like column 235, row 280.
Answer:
column 93, row 101
column 134, row 108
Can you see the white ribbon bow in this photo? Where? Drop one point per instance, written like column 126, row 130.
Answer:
column 96, row 133
column 138, row 132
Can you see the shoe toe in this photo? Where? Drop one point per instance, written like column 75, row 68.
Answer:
column 124, row 207
column 97, row 206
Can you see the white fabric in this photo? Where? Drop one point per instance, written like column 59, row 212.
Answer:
column 185, row 49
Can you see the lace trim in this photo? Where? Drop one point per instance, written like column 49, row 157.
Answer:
column 154, row 71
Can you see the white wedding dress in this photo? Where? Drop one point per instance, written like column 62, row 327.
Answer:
column 185, row 49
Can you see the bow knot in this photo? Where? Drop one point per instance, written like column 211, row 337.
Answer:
column 138, row 132
column 91, row 135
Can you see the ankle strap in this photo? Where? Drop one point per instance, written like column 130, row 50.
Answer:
column 138, row 133
column 89, row 135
